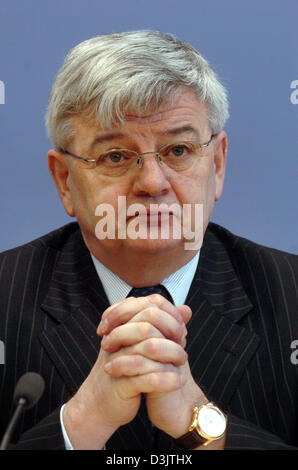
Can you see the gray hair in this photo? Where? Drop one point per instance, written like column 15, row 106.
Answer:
column 109, row 76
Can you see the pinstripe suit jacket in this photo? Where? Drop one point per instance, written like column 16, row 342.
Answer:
column 245, row 317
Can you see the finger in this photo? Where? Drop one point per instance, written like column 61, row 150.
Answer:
column 122, row 312
column 158, row 349
column 128, row 335
column 186, row 313
column 159, row 382
column 135, row 365
column 162, row 321
column 142, row 327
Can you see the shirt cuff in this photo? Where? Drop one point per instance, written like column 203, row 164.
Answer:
column 68, row 444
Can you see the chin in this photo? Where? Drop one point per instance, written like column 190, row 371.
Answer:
column 154, row 246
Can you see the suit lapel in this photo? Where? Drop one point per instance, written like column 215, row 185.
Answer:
column 218, row 347
column 75, row 302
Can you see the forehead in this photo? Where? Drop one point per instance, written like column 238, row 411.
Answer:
column 181, row 113
column 187, row 108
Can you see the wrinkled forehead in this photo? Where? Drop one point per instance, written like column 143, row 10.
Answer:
column 180, row 109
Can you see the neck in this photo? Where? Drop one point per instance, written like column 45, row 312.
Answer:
column 143, row 269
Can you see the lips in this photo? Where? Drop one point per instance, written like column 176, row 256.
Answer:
column 152, row 213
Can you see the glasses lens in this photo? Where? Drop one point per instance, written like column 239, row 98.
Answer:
column 180, row 156
column 116, row 162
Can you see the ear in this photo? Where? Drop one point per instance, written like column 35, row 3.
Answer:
column 220, row 157
column 57, row 164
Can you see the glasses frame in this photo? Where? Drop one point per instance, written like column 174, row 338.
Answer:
column 139, row 155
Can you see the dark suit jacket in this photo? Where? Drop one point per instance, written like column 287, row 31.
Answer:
column 245, row 317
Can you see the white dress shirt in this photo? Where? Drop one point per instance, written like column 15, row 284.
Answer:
column 178, row 285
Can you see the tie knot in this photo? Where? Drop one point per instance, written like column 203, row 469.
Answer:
column 144, row 291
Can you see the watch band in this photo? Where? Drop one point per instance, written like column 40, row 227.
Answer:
column 190, row 440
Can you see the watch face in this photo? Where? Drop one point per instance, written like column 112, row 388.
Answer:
column 211, row 421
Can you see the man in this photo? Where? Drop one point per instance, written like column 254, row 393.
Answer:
column 147, row 341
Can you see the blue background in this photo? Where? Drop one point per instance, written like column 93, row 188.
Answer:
column 251, row 45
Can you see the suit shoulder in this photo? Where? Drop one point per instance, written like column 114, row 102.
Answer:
column 35, row 252
column 245, row 253
column 234, row 241
column 55, row 239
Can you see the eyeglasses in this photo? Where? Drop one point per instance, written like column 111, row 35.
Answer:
column 178, row 156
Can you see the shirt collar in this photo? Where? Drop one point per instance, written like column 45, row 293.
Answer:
column 178, row 283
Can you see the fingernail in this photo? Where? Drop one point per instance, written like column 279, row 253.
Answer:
column 184, row 333
column 108, row 367
column 103, row 326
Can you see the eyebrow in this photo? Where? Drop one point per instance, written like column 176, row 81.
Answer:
column 181, row 130
column 168, row 132
column 106, row 138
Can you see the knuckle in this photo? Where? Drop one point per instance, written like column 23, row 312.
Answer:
column 152, row 347
column 181, row 355
column 154, row 313
column 114, row 335
column 169, row 381
column 117, row 362
column 145, row 329
column 138, row 362
column 156, row 298
column 164, row 381
column 176, row 379
column 145, row 302
column 154, row 380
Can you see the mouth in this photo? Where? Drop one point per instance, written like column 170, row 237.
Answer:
column 152, row 216
column 154, row 210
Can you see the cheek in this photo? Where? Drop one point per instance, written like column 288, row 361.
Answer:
column 210, row 186
column 198, row 187
column 81, row 190
column 90, row 190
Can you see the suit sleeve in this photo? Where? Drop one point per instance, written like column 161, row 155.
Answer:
column 242, row 435
column 46, row 435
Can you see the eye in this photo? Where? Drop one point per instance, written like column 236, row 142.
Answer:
column 115, row 157
column 178, row 150
column 112, row 157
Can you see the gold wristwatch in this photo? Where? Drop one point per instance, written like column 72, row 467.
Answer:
column 208, row 424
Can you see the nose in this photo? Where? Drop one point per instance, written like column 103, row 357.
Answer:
column 150, row 179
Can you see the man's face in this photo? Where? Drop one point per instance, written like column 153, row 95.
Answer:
column 82, row 190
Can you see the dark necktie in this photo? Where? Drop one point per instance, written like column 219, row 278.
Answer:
column 143, row 292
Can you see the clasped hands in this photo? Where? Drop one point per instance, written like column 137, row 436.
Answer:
column 142, row 351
